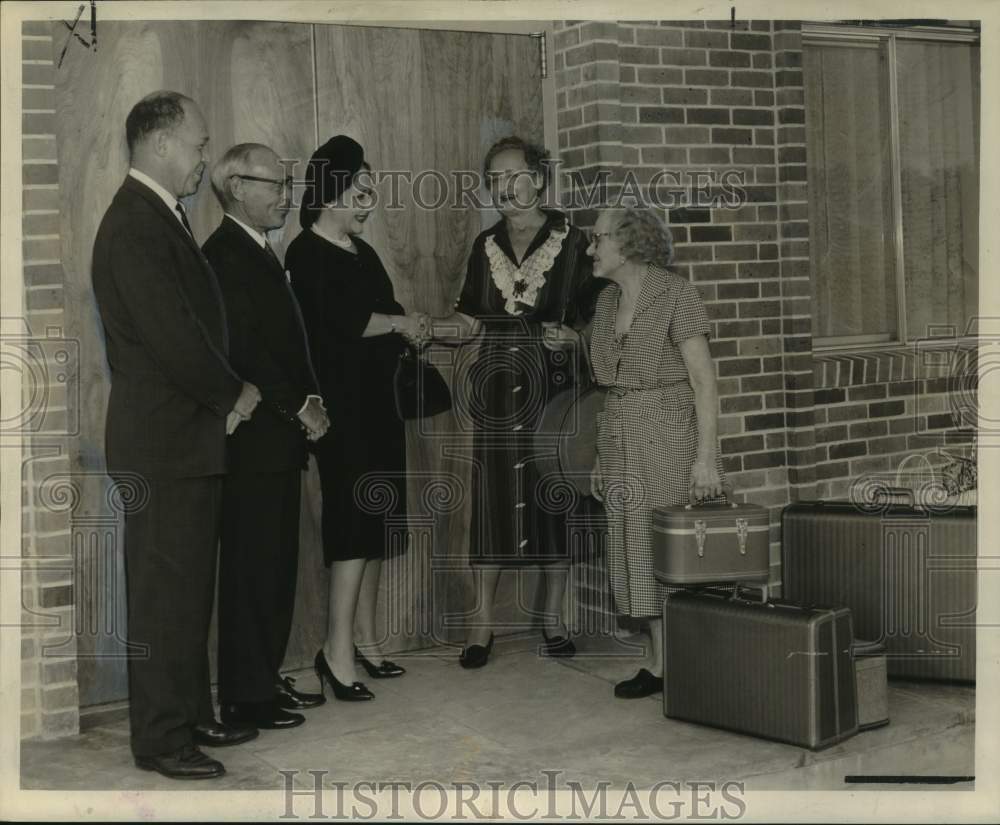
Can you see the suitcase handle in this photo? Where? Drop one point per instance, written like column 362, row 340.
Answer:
column 716, row 590
column 763, row 593
column 727, row 491
column 904, row 492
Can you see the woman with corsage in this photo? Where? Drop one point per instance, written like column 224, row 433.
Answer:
column 525, row 300
column 656, row 437
column 356, row 333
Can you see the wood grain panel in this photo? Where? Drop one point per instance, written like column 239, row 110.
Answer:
column 417, row 100
column 431, row 102
column 254, row 83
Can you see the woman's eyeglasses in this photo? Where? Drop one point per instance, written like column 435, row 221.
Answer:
column 595, row 237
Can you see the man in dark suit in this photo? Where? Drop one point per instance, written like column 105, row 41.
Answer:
column 260, row 499
column 173, row 398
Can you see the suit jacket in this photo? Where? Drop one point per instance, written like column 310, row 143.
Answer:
column 267, row 347
column 165, row 331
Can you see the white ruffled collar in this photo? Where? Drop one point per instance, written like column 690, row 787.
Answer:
column 521, row 284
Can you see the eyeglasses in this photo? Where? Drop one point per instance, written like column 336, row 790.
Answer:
column 595, row 237
column 287, row 183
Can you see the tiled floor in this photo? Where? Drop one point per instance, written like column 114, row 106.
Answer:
column 521, row 715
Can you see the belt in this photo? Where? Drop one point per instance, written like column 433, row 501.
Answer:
column 652, row 392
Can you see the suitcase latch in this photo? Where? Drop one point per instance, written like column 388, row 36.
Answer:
column 742, row 531
column 700, row 531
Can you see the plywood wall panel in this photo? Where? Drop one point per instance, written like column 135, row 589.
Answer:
column 254, row 83
column 422, row 101
column 416, row 100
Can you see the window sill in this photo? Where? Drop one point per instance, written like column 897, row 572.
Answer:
column 885, row 363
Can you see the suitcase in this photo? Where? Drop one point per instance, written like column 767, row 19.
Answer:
column 908, row 575
column 872, row 680
column 769, row 669
column 711, row 543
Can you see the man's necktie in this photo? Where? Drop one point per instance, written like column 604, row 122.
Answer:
column 184, row 218
column 273, row 255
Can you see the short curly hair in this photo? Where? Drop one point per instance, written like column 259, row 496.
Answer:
column 536, row 157
column 643, row 236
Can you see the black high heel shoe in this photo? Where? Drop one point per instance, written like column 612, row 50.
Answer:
column 355, row 692
column 558, row 646
column 475, row 656
column 384, row 670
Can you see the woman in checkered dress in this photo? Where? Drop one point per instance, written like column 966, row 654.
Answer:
column 656, row 437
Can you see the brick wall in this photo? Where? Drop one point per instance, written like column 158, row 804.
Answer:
column 49, row 692
column 691, row 97
column 878, row 413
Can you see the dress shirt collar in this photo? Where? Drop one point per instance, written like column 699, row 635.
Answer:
column 165, row 196
column 259, row 237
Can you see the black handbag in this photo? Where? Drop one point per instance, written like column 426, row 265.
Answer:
column 419, row 389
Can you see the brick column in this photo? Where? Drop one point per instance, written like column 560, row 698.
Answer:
column 49, row 691
column 696, row 97
column 796, row 289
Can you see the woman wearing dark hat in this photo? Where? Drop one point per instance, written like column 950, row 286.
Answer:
column 356, row 330
column 527, row 292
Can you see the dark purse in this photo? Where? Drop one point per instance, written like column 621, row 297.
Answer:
column 419, row 389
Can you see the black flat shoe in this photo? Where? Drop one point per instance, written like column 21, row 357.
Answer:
column 289, row 698
column 475, row 656
column 218, row 735
column 559, row 646
column 355, row 692
column 264, row 715
column 642, row 684
column 186, row 763
column 384, row 670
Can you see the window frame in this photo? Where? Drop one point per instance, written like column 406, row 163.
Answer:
column 818, row 34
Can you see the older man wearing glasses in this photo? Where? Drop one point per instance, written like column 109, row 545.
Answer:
column 267, row 452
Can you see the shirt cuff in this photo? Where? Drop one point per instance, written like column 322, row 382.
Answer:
column 308, row 399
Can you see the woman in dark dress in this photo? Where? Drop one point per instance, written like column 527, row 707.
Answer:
column 356, row 331
column 526, row 287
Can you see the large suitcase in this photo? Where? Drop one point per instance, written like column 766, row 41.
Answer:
column 775, row 669
column 908, row 575
column 711, row 543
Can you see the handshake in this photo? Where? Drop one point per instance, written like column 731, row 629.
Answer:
column 312, row 417
column 417, row 328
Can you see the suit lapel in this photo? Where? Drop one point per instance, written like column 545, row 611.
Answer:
column 250, row 246
column 241, row 238
column 140, row 189
column 154, row 200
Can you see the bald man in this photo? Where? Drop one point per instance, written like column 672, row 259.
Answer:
column 260, row 509
column 173, row 397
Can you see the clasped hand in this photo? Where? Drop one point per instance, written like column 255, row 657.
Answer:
column 417, row 328
column 314, row 418
column 247, row 402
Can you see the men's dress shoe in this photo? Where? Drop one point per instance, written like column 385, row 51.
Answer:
column 642, row 684
column 383, row 670
column 186, row 763
column 289, row 698
column 265, row 715
column 216, row 735
column 354, row 692
column 561, row 646
column 475, row 656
